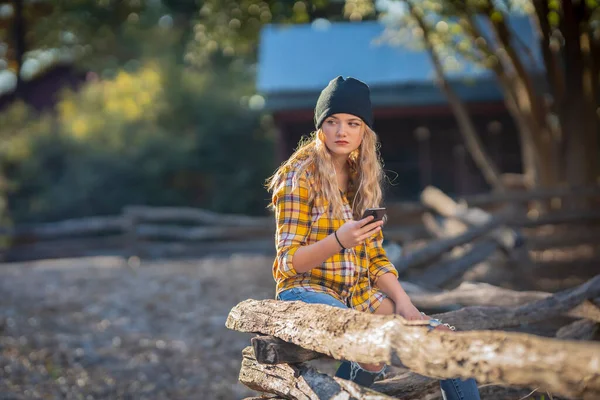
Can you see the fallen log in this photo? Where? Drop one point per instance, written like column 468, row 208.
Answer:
column 299, row 382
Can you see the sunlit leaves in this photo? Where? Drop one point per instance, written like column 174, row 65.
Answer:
column 102, row 110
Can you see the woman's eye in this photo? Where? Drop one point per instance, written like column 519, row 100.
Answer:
column 331, row 122
column 354, row 124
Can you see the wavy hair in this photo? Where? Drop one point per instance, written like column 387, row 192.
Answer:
column 366, row 172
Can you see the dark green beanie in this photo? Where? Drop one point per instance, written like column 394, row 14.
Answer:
column 349, row 96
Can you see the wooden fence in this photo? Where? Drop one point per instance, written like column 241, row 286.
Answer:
column 166, row 231
column 505, row 364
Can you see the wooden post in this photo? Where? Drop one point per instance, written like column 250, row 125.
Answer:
column 423, row 135
column 131, row 243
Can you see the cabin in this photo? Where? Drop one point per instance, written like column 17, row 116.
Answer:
column 420, row 141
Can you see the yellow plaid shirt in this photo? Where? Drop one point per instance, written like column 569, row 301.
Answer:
column 348, row 275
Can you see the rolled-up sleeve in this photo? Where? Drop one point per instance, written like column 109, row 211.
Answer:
column 292, row 213
column 379, row 264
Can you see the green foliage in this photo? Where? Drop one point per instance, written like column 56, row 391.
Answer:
column 120, row 141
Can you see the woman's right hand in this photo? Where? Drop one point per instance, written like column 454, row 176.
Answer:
column 353, row 233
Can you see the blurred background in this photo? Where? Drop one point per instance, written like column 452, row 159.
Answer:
column 136, row 136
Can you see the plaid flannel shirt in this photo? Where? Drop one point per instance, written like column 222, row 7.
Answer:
column 348, row 275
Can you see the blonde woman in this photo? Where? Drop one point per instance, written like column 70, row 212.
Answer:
column 326, row 252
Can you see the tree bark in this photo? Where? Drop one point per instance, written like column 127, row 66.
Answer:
column 580, row 123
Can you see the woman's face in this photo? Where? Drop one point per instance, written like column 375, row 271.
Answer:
column 343, row 134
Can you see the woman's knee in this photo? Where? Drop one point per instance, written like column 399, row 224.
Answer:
column 387, row 307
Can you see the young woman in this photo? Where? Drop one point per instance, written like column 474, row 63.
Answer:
column 326, row 252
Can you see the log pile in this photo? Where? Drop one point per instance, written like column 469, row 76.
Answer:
column 525, row 304
column 292, row 333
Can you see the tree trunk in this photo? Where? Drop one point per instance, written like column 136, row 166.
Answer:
column 472, row 141
column 580, row 125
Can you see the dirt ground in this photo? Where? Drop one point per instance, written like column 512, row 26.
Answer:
column 98, row 328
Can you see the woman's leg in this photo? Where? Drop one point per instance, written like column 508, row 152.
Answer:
column 458, row 389
column 365, row 374
column 352, row 371
column 452, row 389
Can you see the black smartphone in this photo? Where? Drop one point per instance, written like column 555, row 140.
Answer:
column 378, row 213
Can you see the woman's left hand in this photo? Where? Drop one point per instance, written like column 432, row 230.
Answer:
column 440, row 327
column 408, row 310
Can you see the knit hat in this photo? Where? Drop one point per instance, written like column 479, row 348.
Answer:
column 349, row 96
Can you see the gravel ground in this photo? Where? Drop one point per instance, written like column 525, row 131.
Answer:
column 96, row 328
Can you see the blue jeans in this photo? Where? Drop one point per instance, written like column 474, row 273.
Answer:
column 452, row 389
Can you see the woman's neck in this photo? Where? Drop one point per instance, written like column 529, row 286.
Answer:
column 340, row 165
column 341, row 171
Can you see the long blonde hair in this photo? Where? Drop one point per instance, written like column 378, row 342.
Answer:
column 365, row 171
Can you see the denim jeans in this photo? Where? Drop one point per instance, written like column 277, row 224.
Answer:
column 452, row 389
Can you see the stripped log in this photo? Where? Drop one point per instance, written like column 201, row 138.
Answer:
column 489, row 357
column 299, row 382
column 271, row 350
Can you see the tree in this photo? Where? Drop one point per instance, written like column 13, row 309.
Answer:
column 554, row 102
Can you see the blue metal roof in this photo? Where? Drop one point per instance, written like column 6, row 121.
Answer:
column 297, row 61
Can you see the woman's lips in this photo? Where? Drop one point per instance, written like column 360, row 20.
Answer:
column 341, row 142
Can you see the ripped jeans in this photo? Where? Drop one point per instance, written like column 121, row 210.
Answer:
column 452, row 389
